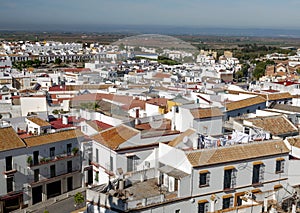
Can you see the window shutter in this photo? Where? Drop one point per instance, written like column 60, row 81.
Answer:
column 206, row 207
column 207, row 178
column 233, row 179
column 261, row 173
column 282, row 166
column 231, row 202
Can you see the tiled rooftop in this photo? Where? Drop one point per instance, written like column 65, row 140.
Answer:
column 236, row 153
column 53, row 137
column 38, row 121
column 276, row 125
column 114, row 137
column 9, row 139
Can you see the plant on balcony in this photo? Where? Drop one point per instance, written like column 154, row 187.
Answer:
column 44, row 160
column 29, row 160
column 75, row 150
column 46, row 211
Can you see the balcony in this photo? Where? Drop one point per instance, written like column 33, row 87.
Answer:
column 8, row 172
column 32, row 180
column 57, row 157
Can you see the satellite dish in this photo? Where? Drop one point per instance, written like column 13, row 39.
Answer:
column 185, row 139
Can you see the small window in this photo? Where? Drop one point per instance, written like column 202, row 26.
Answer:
column 203, row 207
column 279, row 165
column 69, row 148
column 258, row 173
column 229, row 178
column 177, row 211
column 8, row 163
column 247, row 130
column 204, row 178
column 52, row 152
column 97, row 155
column 227, row 202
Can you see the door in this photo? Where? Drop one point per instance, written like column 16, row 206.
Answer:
column 69, row 184
column 37, row 194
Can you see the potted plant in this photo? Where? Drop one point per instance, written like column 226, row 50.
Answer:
column 75, row 150
column 29, row 160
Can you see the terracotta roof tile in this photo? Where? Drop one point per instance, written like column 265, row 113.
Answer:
column 53, row 137
column 294, row 141
column 228, row 154
column 162, row 75
column 114, row 137
column 38, row 121
column 266, row 96
column 9, row 139
column 276, row 125
column 158, row 101
column 164, row 124
column 206, row 112
column 98, row 125
column 244, row 103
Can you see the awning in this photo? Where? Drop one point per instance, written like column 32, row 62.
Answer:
column 229, row 167
column 203, row 172
column 257, row 163
column 279, row 159
column 227, row 196
column 130, row 154
column 278, row 186
column 256, row 191
column 203, row 201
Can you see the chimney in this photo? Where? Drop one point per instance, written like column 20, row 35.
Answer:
column 65, row 119
column 121, row 184
column 137, row 113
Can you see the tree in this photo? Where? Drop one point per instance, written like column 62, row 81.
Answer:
column 78, row 199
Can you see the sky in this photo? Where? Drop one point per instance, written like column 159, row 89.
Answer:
column 31, row 14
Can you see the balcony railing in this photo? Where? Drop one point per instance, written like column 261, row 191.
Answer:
column 57, row 157
column 10, row 171
column 48, row 176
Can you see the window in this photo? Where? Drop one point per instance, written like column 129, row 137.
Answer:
column 69, row 166
column 227, row 202
column 258, row 172
column 130, row 163
column 203, row 206
column 229, row 177
column 52, row 152
column 8, row 163
column 97, row 156
column 36, row 175
column 35, row 157
column 247, row 130
column 9, row 184
column 177, row 211
column 279, row 165
column 69, row 148
column 204, row 178
column 52, row 171
column 111, row 163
